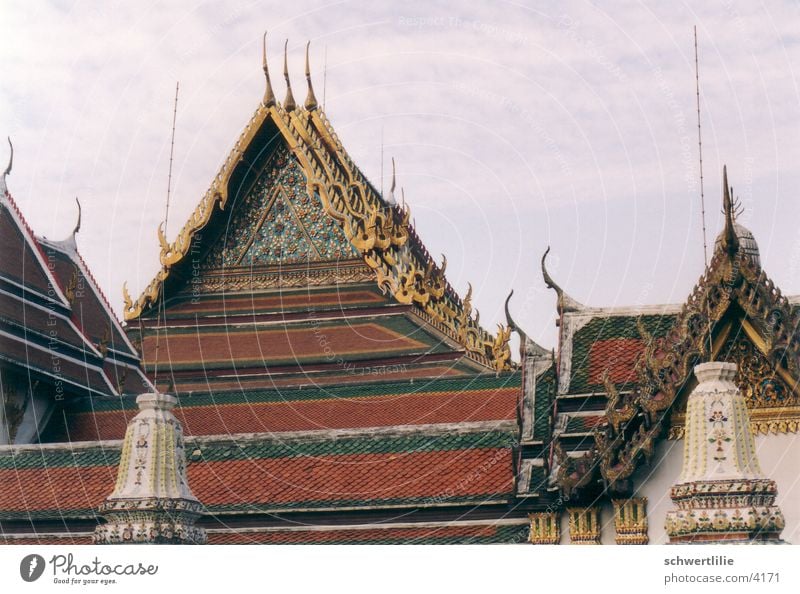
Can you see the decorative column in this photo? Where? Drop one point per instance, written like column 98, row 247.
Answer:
column 152, row 502
column 722, row 495
column 630, row 521
column 545, row 528
column 584, row 525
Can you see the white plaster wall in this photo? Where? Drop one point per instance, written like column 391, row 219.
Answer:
column 37, row 412
column 779, row 456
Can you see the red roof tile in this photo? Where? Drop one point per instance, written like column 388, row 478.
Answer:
column 48, row 539
column 408, row 535
column 438, row 475
column 618, row 355
column 330, row 413
column 55, row 488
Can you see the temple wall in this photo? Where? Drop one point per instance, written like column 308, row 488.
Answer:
column 779, row 456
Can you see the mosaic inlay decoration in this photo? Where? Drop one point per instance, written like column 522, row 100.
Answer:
column 278, row 222
column 756, row 378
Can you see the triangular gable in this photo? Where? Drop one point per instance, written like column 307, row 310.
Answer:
column 279, row 223
column 21, row 259
column 735, row 313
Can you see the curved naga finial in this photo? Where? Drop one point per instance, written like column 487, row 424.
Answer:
column 311, row 100
column 730, row 241
column 269, row 96
column 527, row 346
column 565, row 302
column 10, row 158
column 511, row 323
column 288, row 103
column 77, row 224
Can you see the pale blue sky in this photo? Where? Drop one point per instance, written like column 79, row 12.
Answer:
column 513, row 127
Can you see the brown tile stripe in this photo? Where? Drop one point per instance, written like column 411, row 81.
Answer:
column 282, row 345
column 438, row 475
column 406, row 535
column 302, row 415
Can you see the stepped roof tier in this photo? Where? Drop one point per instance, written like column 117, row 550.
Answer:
column 59, row 338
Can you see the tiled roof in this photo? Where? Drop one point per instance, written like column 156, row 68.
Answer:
column 242, row 346
column 482, row 398
column 445, row 533
column 58, row 323
column 46, row 539
column 538, row 479
column 442, row 534
column 610, row 342
column 256, row 475
column 545, row 392
column 583, row 423
column 18, row 258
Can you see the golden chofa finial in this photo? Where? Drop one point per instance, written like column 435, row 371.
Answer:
column 311, row 100
column 269, row 96
column 730, row 241
column 391, row 199
column 288, row 103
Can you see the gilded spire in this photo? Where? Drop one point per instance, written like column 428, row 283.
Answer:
column 565, row 302
column 730, row 241
column 311, row 100
column 269, row 96
column 288, row 103
column 391, row 199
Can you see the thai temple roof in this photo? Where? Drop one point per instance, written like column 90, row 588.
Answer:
column 332, row 385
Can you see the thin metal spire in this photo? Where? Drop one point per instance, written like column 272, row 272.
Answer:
column 269, row 96
column 171, row 153
column 700, row 149
column 162, row 313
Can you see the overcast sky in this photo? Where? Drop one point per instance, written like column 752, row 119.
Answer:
column 514, row 127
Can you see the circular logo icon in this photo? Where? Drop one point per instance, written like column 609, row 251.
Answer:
column 31, row 567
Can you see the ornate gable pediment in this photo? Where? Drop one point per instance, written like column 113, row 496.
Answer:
column 735, row 313
column 278, row 222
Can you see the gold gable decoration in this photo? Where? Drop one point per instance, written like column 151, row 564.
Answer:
column 379, row 231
